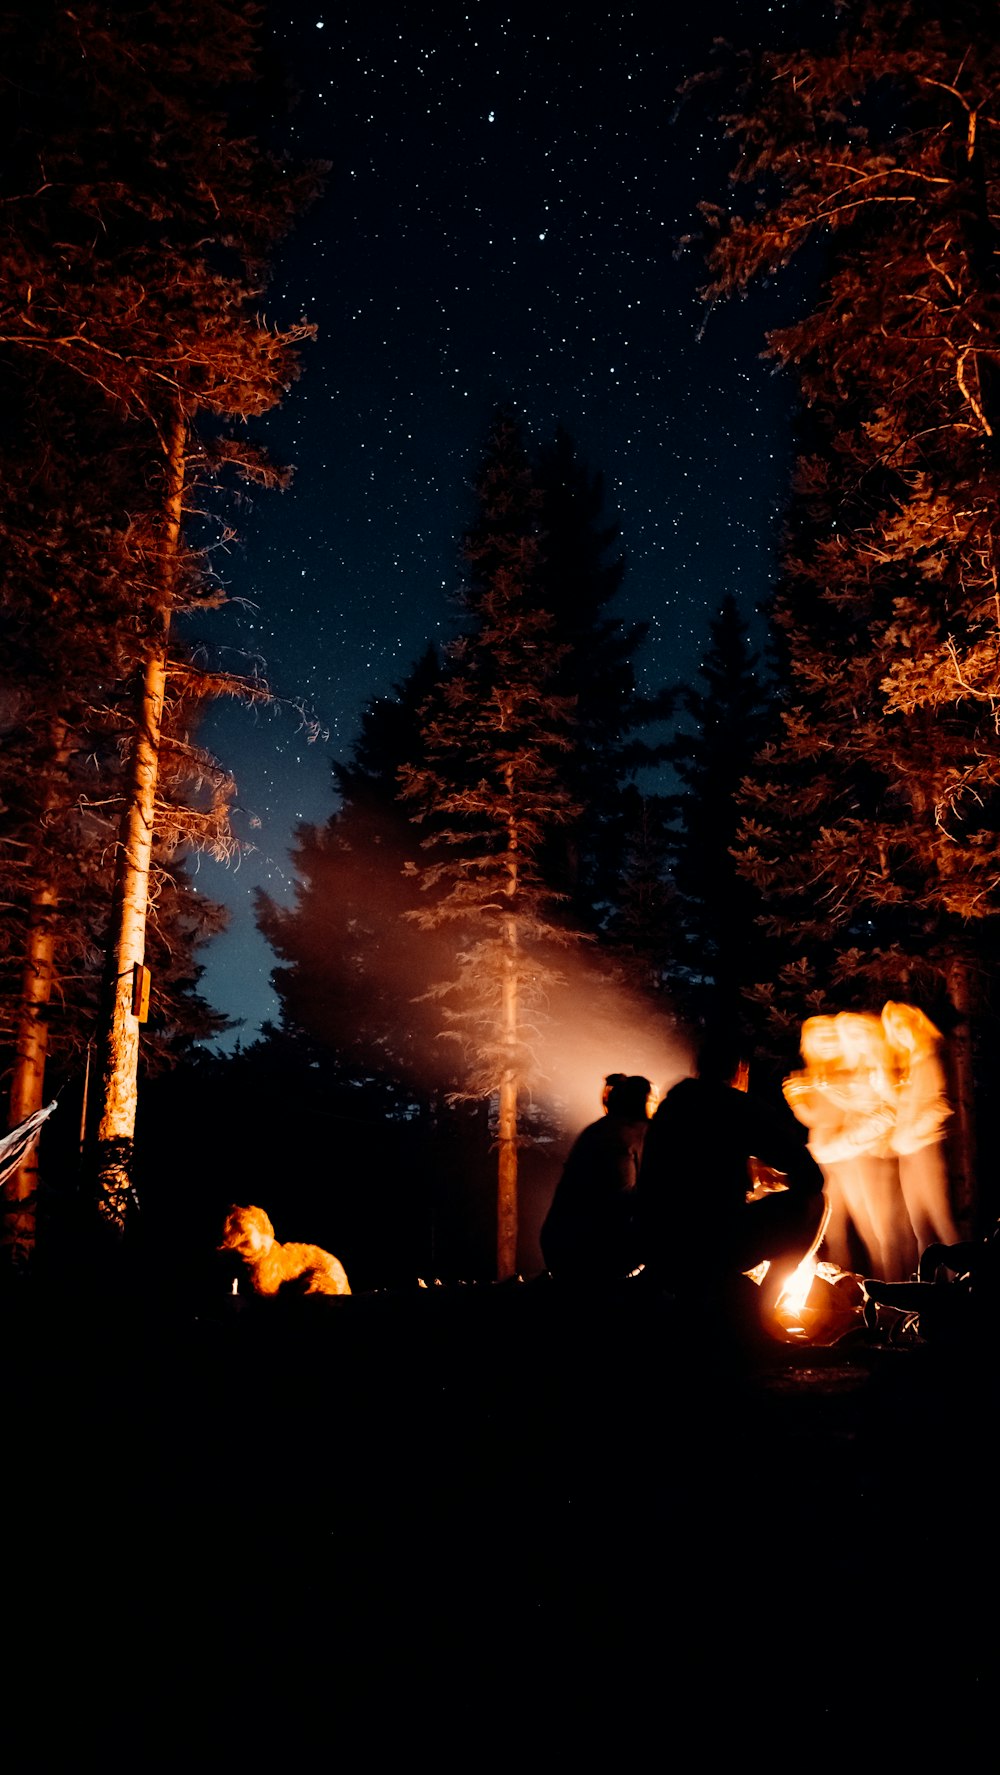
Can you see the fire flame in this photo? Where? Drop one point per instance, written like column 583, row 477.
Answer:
column 792, row 1312
column 795, row 1294
column 792, row 1300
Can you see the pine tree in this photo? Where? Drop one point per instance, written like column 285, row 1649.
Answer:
column 71, row 645
column 873, row 832
column 357, row 990
column 489, row 794
column 643, row 928
column 353, row 983
column 716, row 907
column 580, row 575
column 137, row 268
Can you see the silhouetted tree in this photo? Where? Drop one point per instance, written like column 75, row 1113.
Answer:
column 716, row 908
column 643, row 927
column 489, row 793
column 356, row 980
column 874, row 832
column 580, row 572
column 71, row 646
column 353, row 977
column 138, row 227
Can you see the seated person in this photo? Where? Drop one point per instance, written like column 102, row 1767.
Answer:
column 588, row 1234
column 696, row 1228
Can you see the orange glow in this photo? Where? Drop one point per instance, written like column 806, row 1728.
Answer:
column 819, row 1303
column 795, row 1294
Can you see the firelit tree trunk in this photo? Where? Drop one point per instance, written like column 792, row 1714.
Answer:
column 507, row 1159
column 119, row 1047
column 494, row 734
column 21, row 1189
column 507, row 1132
column 28, row 1082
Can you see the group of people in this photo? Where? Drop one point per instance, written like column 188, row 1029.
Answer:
column 671, row 1194
column 873, row 1097
column 718, row 1181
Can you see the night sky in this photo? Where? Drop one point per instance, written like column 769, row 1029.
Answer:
column 500, row 224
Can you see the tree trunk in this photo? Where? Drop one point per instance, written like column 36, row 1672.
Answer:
column 119, row 1044
column 507, row 1162
column 963, row 1144
column 28, row 1082
column 21, row 1189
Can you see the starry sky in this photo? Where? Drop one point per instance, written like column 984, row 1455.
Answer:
column 508, row 187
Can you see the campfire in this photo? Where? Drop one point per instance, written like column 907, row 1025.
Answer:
column 818, row 1304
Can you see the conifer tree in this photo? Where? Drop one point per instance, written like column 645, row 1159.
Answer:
column 716, row 907
column 580, row 574
column 352, row 980
column 137, row 267
column 489, row 793
column 643, row 928
column 873, row 824
column 70, row 647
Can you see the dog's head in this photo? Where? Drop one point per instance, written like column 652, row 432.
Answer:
column 248, row 1231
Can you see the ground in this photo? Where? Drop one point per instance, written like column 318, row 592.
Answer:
column 465, row 1522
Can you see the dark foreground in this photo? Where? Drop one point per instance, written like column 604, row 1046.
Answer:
column 473, row 1525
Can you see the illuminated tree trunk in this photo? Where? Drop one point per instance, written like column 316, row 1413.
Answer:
column 28, row 1082
column 494, row 735
column 119, row 1047
column 507, row 1165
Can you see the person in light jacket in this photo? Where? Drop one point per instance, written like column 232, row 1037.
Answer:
column 922, row 1110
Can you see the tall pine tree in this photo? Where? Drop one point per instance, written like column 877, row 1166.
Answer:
column 580, row 573
column 352, row 981
column 70, row 489
column 137, row 266
column 716, row 908
column 489, row 794
column 874, row 829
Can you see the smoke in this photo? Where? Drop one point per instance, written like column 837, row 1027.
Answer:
column 367, row 979
column 596, row 1026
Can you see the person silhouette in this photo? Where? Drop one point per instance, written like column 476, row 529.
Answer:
column 588, row 1233
column 697, row 1230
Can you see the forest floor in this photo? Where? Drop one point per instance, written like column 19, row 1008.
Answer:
column 474, row 1523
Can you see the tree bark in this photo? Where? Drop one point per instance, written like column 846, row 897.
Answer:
column 28, row 1082
column 507, row 1161
column 119, row 1044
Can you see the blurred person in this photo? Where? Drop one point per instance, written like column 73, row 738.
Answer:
column 819, row 1098
column 588, row 1234
column 697, row 1228
column 872, row 1178
column 922, row 1109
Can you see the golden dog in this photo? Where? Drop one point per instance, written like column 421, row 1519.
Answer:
column 249, row 1232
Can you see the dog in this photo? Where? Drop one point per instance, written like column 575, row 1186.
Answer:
column 248, row 1231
